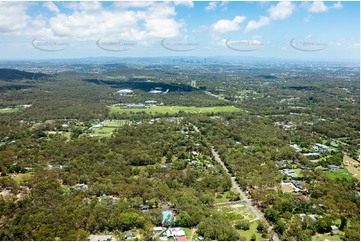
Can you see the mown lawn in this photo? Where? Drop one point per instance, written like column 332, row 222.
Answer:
column 323, row 237
column 9, row 110
column 340, row 173
column 252, row 230
column 174, row 109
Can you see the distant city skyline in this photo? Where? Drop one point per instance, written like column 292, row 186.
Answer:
column 327, row 30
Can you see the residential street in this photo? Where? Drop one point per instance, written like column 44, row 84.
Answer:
column 244, row 198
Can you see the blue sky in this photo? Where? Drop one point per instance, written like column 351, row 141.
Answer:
column 296, row 30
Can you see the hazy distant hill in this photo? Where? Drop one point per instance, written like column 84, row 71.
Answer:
column 12, row 75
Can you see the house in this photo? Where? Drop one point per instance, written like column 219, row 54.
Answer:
column 321, row 148
column 140, row 105
column 144, row 208
column 352, row 163
column 123, row 92
column 94, row 237
column 129, row 235
column 80, row 186
column 178, row 234
column 334, row 229
column 181, row 238
column 333, row 167
column 296, row 147
column 297, row 184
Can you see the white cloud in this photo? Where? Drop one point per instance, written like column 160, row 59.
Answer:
column 337, row 5
column 211, row 6
column 225, row 25
column 317, row 7
column 252, row 25
column 162, row 28
column 281, row 10
column 133, row 4
column 186, row 3
column 13, row 17
column 256, row 36
column 52, row 7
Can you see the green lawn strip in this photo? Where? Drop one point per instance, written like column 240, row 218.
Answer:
column 223, row 199
column 10, row 110
column 174, row 109
column 323, row 237
column 298, row 173
column 104, row 132
column 353, row 170
column 340, row 173
column 115, row 123
column 252, row 230
column 188, row 233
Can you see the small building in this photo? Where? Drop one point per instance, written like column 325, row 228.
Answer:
column 123, row 92
column 129, row 235
column 334, row 229
column 144, row 208
column 297, row 184
column 80, row 186
column 140, row 105
column 181, row 238
column 94, row 237
column 333, row 167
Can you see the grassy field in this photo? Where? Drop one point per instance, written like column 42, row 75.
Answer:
column 104, row 132
column 174, row 109
column 223, row 199
column 341, row 173
column 323, row 237
column 9, row 110
column 20, row 178
column 252, row 230
column 287, row 187
column 353, row 170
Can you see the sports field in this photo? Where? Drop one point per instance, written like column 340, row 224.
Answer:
column 174, row 109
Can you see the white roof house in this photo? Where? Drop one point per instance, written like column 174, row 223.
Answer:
column 124, row 92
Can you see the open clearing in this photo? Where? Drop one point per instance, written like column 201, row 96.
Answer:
column 341, row 173
column 174, row 109
column 9, row 110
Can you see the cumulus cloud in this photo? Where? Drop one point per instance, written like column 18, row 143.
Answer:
column 281, row 10
column 337, row 5
column 252, row 25
column 93, row 20
column 317, row 7
column 225, row 25
column 186, row 3
column 211, row 6
column 52, row 7
column 13, row 17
